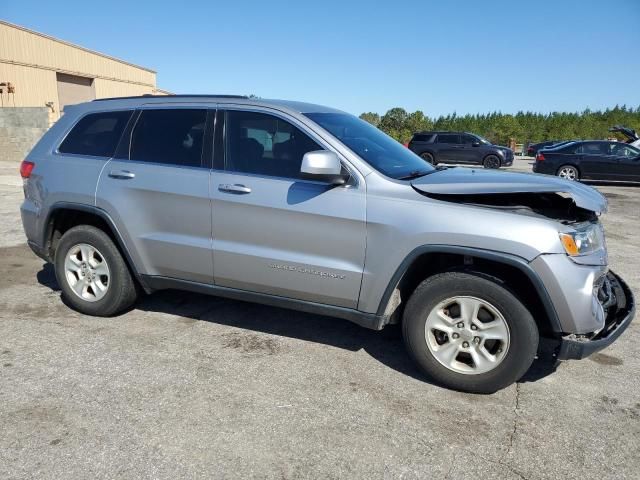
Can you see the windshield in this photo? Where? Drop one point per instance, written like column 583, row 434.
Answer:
column 375, row 147
column 482, row 139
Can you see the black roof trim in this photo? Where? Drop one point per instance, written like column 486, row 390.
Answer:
column 171, row 96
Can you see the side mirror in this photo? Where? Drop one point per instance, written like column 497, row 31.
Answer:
column 324, row 166
column 475, row 144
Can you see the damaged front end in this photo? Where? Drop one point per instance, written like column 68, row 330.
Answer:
column 594, row 305
column 613, row 296
column 549, row 205
column 538, row 195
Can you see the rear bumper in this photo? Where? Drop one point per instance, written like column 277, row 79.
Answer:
column 620, row 313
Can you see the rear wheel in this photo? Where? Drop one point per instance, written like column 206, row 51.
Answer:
column 427, row 157
column 491, row 161
column 469, row 333
column 568, row 172
column 92, row 274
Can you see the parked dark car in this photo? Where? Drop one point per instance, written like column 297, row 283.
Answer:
column 459, row 147
column 591, row 160
column 532, row 149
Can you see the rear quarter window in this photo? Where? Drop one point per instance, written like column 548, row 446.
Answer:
column 448, row 138
column 96, row 134
column 422, row 138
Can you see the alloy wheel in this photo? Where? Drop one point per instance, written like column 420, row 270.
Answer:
column 428, row 158
column 568, row 172
column 467, row 335
column 87, row 272
column 492, row 162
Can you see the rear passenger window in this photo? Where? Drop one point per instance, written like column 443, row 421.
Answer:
column 266, row 145
column 172, row 136
column 591, row 149
column 448, row 138
column 96, row 134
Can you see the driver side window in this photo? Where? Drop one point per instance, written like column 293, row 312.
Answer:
column 263, row 144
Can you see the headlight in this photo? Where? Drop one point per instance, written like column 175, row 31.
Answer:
column 586, row 239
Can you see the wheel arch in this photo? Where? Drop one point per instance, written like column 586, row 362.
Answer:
column 64, row 215
column 514, row 271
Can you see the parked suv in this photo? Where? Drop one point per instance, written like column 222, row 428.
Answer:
column 459, row 147
column 306, row 207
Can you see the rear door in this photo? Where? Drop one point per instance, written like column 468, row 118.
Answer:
column 275, row 232
column 449, row 148
column 157, row 192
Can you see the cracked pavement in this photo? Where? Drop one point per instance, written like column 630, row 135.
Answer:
column 189, row 386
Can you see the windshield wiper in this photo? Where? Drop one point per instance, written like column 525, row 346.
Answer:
column 415, row 174
column 422, row 173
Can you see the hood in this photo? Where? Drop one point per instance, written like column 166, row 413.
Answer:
column 470, row 181
column 631, row 134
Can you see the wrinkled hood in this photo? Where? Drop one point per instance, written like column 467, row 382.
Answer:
column 468, row 181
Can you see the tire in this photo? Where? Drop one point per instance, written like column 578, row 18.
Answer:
column 429, row 158
column 568, row 172
column 491, row 161
column 501, row 312
column 86, row 252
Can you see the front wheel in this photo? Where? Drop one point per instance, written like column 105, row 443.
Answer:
column 92, row 274
column 469, row 333
column 491, row 161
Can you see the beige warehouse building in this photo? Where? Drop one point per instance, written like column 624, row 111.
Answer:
column 38, row 70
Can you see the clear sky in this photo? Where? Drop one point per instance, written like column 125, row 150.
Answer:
column 436, row 56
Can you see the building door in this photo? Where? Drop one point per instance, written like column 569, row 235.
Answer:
column 73, row 89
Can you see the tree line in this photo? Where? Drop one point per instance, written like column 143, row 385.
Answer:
column 500, row 127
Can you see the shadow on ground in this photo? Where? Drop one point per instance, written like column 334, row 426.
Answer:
column 385, row 346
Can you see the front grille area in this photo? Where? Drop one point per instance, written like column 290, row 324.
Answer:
column 613, row 298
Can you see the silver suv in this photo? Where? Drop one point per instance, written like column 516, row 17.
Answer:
column 310, row 208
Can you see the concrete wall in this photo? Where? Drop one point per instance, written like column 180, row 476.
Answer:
column 20, row 129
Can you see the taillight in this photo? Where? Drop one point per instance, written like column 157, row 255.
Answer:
column 406, row 144
column 539, row 157
column 26, row 168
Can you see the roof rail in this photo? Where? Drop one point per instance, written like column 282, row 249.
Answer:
column 148, row 95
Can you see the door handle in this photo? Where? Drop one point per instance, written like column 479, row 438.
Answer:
column 121, row 174
column 235, row 188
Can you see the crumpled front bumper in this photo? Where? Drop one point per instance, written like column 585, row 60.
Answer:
column 618, row 300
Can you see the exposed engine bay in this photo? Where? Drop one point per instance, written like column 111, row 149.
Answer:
column 550, row 205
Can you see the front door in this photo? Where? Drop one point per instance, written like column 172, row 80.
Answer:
column 275, row 232
column 158, row 195
column 627, row 166
column 470, row 153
